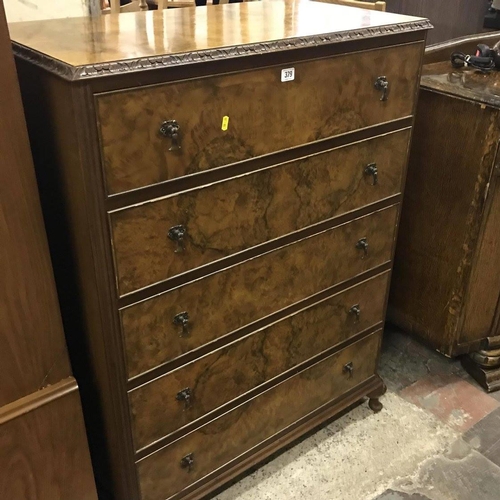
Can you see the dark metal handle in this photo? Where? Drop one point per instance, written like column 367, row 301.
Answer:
column 382, row 84
column 182, row 319
column 349, row 369
column 177, row 234
column 356, row 310
column 187, row 462
column 362, row 244
column 371, row 169
column 171, row 129
column 185, row 395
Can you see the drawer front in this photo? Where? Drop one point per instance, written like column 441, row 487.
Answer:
column 200, row 387
column 161, row 474
column 327, row 97
column 230, row 299
column 225, row 218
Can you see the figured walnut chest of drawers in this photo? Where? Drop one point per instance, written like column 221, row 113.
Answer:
column 222, row 188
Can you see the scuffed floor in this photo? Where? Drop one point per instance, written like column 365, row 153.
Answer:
column 437, row 438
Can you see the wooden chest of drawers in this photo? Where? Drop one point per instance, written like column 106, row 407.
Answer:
column 223, row 207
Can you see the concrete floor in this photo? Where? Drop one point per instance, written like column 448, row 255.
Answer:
column 437, row 438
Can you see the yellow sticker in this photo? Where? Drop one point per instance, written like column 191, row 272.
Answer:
column 225, row 123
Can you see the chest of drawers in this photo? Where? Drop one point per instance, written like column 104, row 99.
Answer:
column 222, row 188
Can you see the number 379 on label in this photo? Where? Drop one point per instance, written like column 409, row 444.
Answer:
column 287, row 74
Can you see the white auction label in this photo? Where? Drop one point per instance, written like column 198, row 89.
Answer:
column 287, row 74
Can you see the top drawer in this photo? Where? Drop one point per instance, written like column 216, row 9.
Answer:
column 327, row 97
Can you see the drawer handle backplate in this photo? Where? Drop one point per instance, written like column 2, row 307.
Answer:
column 362, row 244
column 177, row 234
column 185, row 395
column 187, row 462
column 356, row 311
column 382, row 84
column 349, row 369
column 171, row 130
column 182, row 319
column 371, row 169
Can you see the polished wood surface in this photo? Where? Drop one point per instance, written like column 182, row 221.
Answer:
column 43, row 447
column 231, row 371
column 230, row 216
column 44, row 452
column 370, row 5
column 223, row 302
column 446, row 285
column 450, row 18
column 32, row 349
column 300, row 112
column 95, row 40
column 122, row 343
column 438, row 229
column 161, row 474
column 482, row 300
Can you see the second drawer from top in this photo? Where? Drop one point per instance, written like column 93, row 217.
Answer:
column 157, row 240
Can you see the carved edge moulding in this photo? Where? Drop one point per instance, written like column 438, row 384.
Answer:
column 87, row 71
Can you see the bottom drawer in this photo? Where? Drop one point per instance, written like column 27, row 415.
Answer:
column 165, row 473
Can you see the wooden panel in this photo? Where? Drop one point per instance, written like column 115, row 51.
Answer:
column 231, row 216
column 451, row 18
column 44, row 454
column 225, row 301
column 32, row 349
column 328, row 97
column 220, row 441
column 440, row 222
column 231, row 371
column 484, row 286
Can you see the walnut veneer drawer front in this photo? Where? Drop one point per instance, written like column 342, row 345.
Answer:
column 327, row 97
column 203, row 385
column 161, row 474
column 220, row 303
column 230, row 216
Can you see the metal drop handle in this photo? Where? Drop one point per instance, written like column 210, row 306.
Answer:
column 185, row 395
column 177, row 234
column 356, row 311
column 371, row 169
column 349, row 369
column 182, row 319
column 382, row 85
column 362, row 244
column 187, row 462
column 171, row 129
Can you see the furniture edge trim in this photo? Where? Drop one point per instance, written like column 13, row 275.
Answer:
column 88, row 71
column 37, row 399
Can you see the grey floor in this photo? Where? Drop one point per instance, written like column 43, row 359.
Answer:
column 437, row 438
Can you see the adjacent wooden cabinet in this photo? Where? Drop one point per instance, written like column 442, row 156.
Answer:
column 223, row 210
column 446, row 284
column 43, row 447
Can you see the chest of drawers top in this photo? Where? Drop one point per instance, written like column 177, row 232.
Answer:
column 94, row 47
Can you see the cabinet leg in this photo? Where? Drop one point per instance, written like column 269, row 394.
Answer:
column 374, row 401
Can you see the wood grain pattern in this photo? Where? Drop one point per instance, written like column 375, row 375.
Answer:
column 225, row 301
column 231, row 371
column 32, row 349
column 483, row 292
column 225, row 438
column 114, row 44
column 440, row 221
column 225, row 218
column 44, row 454
column 328, row 97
